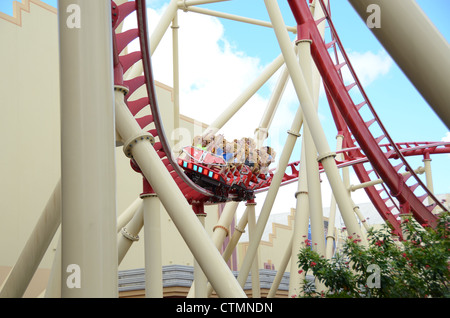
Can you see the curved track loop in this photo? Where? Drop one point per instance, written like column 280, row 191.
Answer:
column 360, row 118
column 407, row 148
column 145, row 109
column 361, row 147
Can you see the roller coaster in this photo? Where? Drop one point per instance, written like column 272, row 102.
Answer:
column 358, row 138
column 202, row 174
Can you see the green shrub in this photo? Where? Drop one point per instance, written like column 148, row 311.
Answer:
column 417, row 266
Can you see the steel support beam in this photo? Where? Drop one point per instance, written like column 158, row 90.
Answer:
column 88, row 182
column 404, row 29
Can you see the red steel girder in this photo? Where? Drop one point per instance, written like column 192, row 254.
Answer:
column 356, row 124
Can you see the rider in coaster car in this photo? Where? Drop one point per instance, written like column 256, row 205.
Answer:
column 267, row 156
column 200, row 143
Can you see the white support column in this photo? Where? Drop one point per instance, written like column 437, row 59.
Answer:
column 187, row 3
column 346, row 180
column 157, row 35
column 220, row 232
column 353, row 187
column 152, row 245
column 331, row 235
column 234, row 17
column 53, row 289
column 301, row 224
column 163, row 25
column 404, row 27
column 34, row 250
column 237, row 104
column 190, row 228
column 128, row 214
column 256, row 290
column 200, row 283
column 361, row 218
column 130, row 233
column 309, row 202
column 291, row 139
column 428, row 175
column 176, row 83
column 262, row 132
column 240, row 229
column 88, row 182
column 312, row 168
column 326, row 157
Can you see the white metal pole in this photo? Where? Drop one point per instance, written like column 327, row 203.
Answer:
column 88, row 180
column 326, row 157
column 220, row 231
column 256, row 290
column 175, row 203
column 312, row 168
column 128, row 214
column 331, row 239
column 354, row 187
column 53, row 289
column 308, row 194
column 130, row 233
column 176, row 82
column 262, row 132
column 187, row 3
column 152, row 245
column 360, row 217
column 301, row 224
column 346, row 180
column 34, row 250
column 428, row 175
column 404, row 27
column 237, row 104
column 156, row 36
column 236, row 18
column 240, row 229
column 200, row 283
column 293, row 134
column 163, row 25
column 281, row 270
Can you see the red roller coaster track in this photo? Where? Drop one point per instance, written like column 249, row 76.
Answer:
column 361, row 147
column 349, row 113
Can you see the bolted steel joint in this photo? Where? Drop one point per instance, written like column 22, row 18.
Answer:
column 133, row 141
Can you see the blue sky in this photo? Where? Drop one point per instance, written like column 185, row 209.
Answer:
column 402, row 110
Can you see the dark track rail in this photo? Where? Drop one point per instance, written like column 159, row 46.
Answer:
column 361, row 147
column 360, row 127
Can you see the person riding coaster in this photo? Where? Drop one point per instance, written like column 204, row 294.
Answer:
column 237, row 163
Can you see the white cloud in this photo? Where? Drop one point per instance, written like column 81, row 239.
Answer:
column 447, row 137
column 212, row 72
column 368, row 66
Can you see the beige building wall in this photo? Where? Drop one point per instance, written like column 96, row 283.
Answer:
column 29, row 126
column 30, row 155
column 271, row 250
